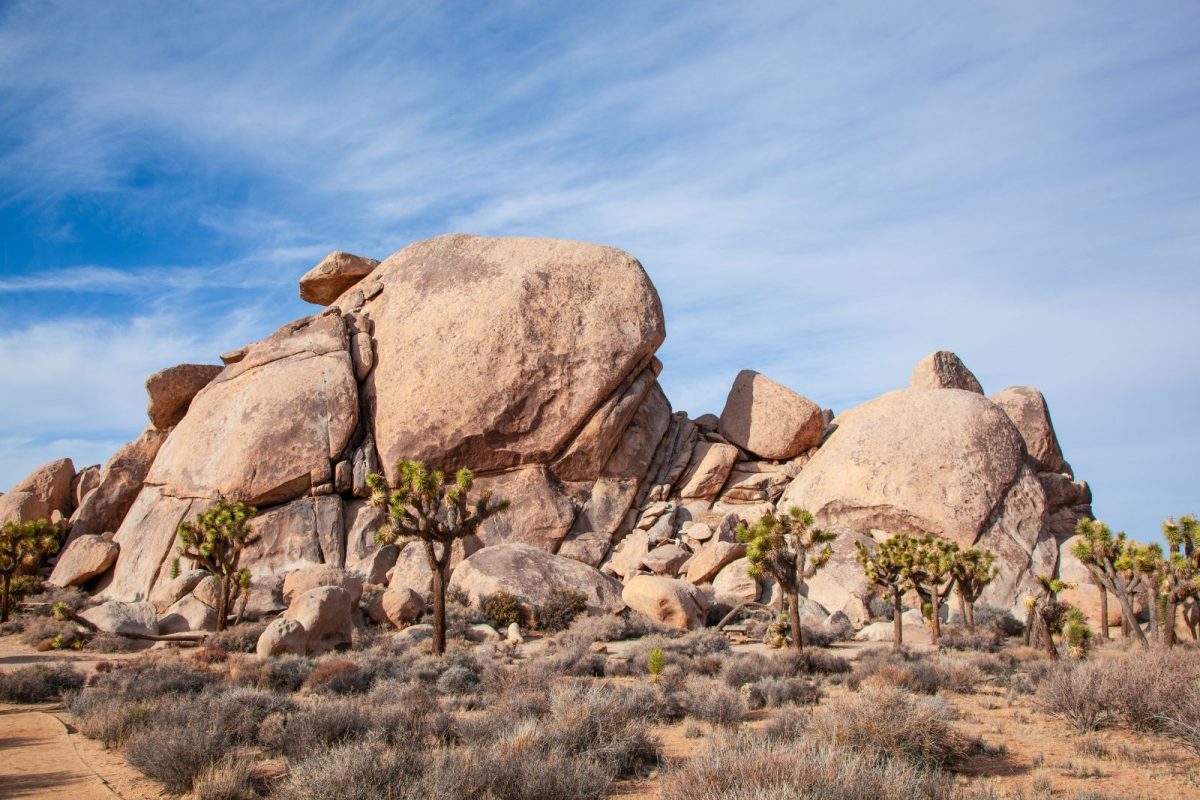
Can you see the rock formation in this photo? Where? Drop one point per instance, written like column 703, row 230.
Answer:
column 532, row 362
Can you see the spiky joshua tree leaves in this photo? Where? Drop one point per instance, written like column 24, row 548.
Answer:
column 423, row 507
column 23, row 545
column 889, row 566
column 973, row 569
column 1182, row 575
column 214, row 541
column 789, row 549
column 1111, row 561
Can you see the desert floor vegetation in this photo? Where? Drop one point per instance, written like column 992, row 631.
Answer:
column 621, row 707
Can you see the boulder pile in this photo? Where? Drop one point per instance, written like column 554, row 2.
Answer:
column 532, row 362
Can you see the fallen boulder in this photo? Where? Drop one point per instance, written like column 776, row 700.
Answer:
column 83, row 559
column 531, row 573
column 768, row 419
column 668, row 600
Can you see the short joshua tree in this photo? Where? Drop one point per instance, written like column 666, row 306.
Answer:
column 974, row 568
column 889, row 566
column 932, row 576
column 214, row 541
column 1182, row 579
column 23, row 545
column 424, row 507
column 789, row 549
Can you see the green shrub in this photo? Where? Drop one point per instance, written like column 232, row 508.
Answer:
column 561, row 608
column 655, row 662
column 503, row 609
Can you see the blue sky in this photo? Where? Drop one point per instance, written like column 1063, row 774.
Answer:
column 822, row 192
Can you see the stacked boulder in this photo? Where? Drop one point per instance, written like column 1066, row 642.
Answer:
column 532, row 362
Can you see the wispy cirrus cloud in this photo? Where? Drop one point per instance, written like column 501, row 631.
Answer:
column 824, row 193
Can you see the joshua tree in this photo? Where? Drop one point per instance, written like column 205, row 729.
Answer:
column 1047, row 613
column 783, row 546
column 22, row 547
column 889, row 567
column 974, row 568
column 933, row 576
column 214, row 541
column 1110, row 560
column 1076, row 634
column 1182, row 585
column 422, row 506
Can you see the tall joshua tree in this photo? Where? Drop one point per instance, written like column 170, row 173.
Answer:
column 23, row 545
column 423, row 507
column 933, row 576
column 214, row 541
column 785, row 547
column 1183, row 570
column 890, row 567
column 974, row 568
column 1110, row 560
column 1047, row 615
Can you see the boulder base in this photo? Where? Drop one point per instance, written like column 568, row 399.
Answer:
column 530, row 574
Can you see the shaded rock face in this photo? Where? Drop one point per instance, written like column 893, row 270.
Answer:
column 944, row 370
column 172, row 389
column 104, row 508
column 336, row 273
column 492, row 352
column 768, row 419
column 1027, row 408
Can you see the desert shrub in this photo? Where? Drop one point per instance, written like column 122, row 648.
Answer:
column 286, row 673
column 958, row 675
column 177, row 752
column 1084, row 694
column 353, row 771
column 982, row 639
column 579, row 662
column 611, row 628
column 740, row 767
column 561, row 608
column 714, row 703
column 107, row 717
column 788, row 724
column 152, row 679
column 52, row 633
column 39, row 683
column 70, row 597
column 904, row 669
column 893, row 723
column 458, row 679
column 227, row 779
column 775, row 692
column 999, row 620
column 241, row 638
column 502, row 609
column 314, row 727
column 527, row 768
column 753, row 667
column 338, row 675
column 104, row 642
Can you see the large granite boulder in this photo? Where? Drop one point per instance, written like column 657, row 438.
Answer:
column 336, row 273
column 282, row 637
column 306, row 532
column 171, row 391
column 104, row 508
column 83, row 483
column 117, row 617
column 302, row 580
column 944, row 370
column 326, row 614
column 22, row 507
column 1026, row 407
column 83, row 559
column 916, row 460
column 51, row 483
column 531, row 573
column 668, row 600
column 768, row 419
column 492, row 353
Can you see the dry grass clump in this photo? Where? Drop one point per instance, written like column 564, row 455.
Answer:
column 749, row 668
column 888, row 722
column 338, row 675
column 714, row 703
column 241, row 638
column 231, row 778
column 776, row 692
column 39, row 683
column 742, row 767
column 1156, row 691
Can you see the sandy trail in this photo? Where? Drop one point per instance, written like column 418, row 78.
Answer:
column 38, row 759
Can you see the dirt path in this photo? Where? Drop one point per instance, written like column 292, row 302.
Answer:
column 38, row 759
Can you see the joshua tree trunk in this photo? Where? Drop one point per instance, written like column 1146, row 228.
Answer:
column 897, row 622
column 794, row 620
column 936, row 622
column 1030, row 625
column 1048, row 637
column 5, row 596
column 223, row 602
column 962, row 612
column 1103, row 610
column 439, row 596
column 1128, row 617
